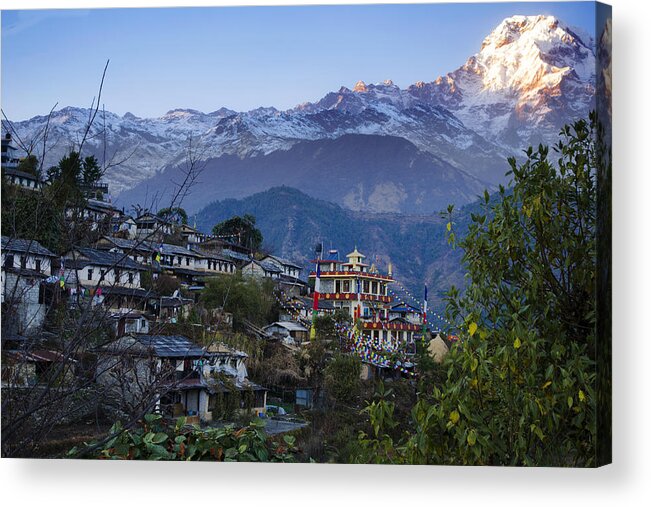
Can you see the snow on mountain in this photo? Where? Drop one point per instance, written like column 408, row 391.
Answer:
column 532, row 75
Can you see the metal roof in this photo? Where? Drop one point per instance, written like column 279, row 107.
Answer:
column 128, row 244
column 289, row 325
column 103, row 206
column 283, row 262
column 171, row 346
column 236, row 255
column 211, row 255
column 269, row 266
column 30, row 246
column 178, row 250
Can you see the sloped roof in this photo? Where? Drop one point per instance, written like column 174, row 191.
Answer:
column 30, row 246
column 269, row 266
column 38, row 356
column 289, row 325
column 403, row 308
column 282, row 261
column 236, row 255
column 102, row 206
column 92, row 256
column 128, row 244
column 356, row 253
column 220, row 348
column 294, row 280
column 171, row 346
column 8, row 171
column 211, row 255
column 324, row 304
column 169, row 249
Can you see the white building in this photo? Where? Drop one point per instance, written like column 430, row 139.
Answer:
column 90, row 267
column 9, row 158
column 26, row 264
column 187, row 379
column 288, row 268
column 287, row 330
column 261, row 269
column 21, row 178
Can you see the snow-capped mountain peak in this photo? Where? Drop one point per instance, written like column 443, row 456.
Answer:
column 360, row 87
column 531, row 75
column 526, row 52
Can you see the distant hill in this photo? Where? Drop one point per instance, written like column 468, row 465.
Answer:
column 359, row 172
column 293, row 223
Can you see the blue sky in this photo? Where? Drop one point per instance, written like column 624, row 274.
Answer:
column 238, row 57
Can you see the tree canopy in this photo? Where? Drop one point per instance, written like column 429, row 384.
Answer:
column 246, row 298
column 73, row 170
column 240, row 230
column 175, row 214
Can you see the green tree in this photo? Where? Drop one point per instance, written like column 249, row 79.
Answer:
column 342, row 379
column 247, row 298
column 241, row 230
column 520, row 387
column 29, row 164
column 72, row 170
column 175, row 214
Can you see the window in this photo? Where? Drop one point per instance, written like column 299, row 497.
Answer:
column 38, row 265
column 9, row 261
column 187, row 261
column 102, row 274
column 90, row 273
column 117, row 275
column 23, row 262
column 131, row 278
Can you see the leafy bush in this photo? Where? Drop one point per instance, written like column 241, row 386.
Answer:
column 520, row 387
column 155, row 439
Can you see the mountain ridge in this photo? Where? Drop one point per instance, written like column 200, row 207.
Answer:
column 532, row 75
column 361, row 172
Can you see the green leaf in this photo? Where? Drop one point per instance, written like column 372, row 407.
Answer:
column 159, row 438
column 472, row 328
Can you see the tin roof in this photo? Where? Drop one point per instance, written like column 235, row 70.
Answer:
column 171, row 346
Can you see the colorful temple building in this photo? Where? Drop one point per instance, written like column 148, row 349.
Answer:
column 364, row 293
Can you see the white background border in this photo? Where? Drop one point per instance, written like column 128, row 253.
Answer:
column 626, row 482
